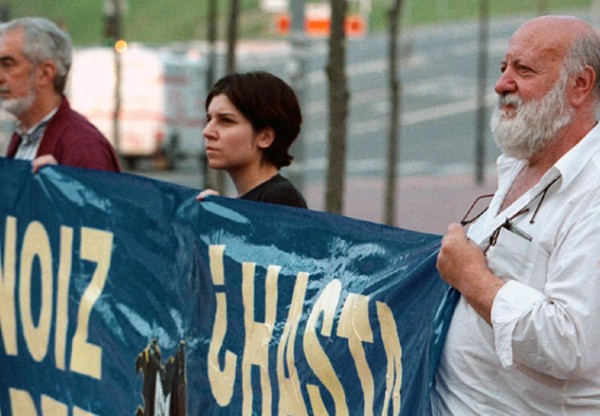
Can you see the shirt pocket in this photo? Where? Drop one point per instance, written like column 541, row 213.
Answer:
column 513, row 257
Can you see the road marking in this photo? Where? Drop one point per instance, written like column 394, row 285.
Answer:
column 446, row 110
column 407, row 119
column 377, row 167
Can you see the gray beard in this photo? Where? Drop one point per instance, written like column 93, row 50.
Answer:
column 534, row 124
column 17, row 106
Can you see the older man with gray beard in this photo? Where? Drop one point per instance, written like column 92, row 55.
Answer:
column 524, row 336
column 35, row 58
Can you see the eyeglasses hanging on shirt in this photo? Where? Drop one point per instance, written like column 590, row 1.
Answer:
column 508, row 223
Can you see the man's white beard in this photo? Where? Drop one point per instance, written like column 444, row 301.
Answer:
column 17, row 106
column 534, row 124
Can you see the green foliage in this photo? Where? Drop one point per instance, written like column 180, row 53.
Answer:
column 419, row 12
column 161, row 21
column 147, row 21
column 82, row 18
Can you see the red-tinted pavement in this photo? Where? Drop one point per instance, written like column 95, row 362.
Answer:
column 425, row 203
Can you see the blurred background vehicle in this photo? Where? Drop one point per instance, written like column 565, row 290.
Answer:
column 161, row 105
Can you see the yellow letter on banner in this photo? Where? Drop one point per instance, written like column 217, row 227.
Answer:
column 290, row 394
column 8, row 321
column 21, row 403
column 62, row 298
column 354, row 325
column 316, row 357
column 53, row 407
column 96, row 246
column 258, row 336
column 36, row 244
column 393, row 352
column 221, row 381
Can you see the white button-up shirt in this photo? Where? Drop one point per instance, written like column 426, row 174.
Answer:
column 541, row 356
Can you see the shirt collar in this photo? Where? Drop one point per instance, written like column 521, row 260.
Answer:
column 39, row 125
column 567, row 167
column 571, row 163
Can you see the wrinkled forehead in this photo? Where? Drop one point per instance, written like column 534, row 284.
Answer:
column 11, row 42
column 550, row 36
column 542, row 40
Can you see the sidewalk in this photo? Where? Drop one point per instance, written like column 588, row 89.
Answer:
column 424, row 203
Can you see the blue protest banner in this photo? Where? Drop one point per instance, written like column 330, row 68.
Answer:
column 122, row 295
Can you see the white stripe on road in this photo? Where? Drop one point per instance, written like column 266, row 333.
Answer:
column 446, row 110
column 377, row 166
column 407, row 119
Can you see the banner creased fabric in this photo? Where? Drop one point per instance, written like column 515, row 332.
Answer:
column 123, row 295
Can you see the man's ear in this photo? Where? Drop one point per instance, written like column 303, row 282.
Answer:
column 46, row 72
column 582, row 86
column 265, row 138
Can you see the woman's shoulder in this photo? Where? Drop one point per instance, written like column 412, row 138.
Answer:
column 277, row 190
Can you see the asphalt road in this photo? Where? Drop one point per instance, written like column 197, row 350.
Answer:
column 426, row 203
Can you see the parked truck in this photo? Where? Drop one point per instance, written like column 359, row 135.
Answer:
column 162, row 93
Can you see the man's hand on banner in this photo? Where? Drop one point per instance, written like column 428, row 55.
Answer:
column 41, row 161
column 205, row 193
column 463, row 265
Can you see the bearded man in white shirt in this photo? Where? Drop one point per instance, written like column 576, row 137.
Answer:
column 525, row 334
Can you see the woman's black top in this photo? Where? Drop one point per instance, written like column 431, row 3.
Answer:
column 277, row 190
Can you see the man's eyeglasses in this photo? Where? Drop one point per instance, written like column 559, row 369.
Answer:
column 510, row 226
column 481, row 205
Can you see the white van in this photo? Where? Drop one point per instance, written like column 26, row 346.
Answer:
column 162, row 95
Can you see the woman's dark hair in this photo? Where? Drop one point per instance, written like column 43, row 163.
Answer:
column 267, row 101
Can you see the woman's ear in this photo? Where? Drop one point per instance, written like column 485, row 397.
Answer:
column 265, row 138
